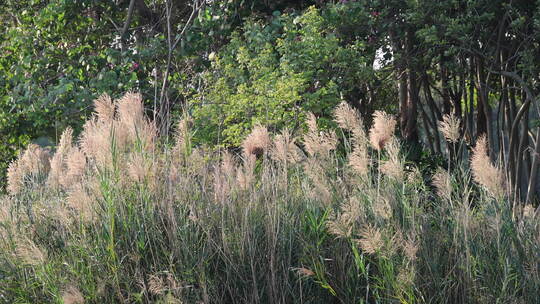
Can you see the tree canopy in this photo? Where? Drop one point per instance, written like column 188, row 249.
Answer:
column 232, row 65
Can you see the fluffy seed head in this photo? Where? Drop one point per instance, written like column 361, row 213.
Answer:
column 382, row 208
column 284, row 148
column 257, row 142
column 371, row 240
column 346, row 117
column 72, row 295
column 58, row 161
column 82, row 203
column 318, row 143
column 393, row 167
column 228, row 164
column 442, row 183
column 382, row 129
column 449, row 127
column 104, row 108
column 349, row 119
column 245, row 175
column 224, row 176
column 95, row 142
column 410, row 249
column 222, row 186
column 29, row 253
column 4, row 212
column 405, row 277
column 341, row 225
column 139, row 167
column 338, row 226
column 66, row 141
column 132, row 124
column 484, row 172
column 57, row 167
column 130, row 109
column 34, row 161
column 304, row 272
column 15, row 178
column 316, row 174
column 182, row 135
column 359, row 161
column 75, row 167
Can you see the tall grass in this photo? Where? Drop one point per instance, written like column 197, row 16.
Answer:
column 119, row 217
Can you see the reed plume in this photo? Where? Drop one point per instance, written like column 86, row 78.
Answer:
column 132, row 125
column 371, row 240
column 222, row 186
column 58, row 161
column 316, row 174
column 359, row 161
column 104, row 108
column 245, row 175
column 394, row 166
column 29, row 253
column 484, row 172
column 224, row 176
column 382, row 129
column 33, row 162
column 96, row 142
column 72, row 295
column 410, row 249
column 139, row 167
column 130, row 110
column 442, row 182
column 449, row 127
column 182, row 136
column 75, row 168
column 341, row 225
column 228, row 164
column 256, row 143
column 15, row 178
column 284, row 148
column 318, row 143
column 406, row 277
column 83, row 202
column 381, row 208
column 349, row 119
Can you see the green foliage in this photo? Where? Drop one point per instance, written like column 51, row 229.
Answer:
column 272, row 73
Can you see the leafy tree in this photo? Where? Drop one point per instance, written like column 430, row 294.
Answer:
column 273, row 72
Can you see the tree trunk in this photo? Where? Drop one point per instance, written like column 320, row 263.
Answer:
column 409, row 106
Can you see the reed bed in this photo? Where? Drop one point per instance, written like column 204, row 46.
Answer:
column 117, row 215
